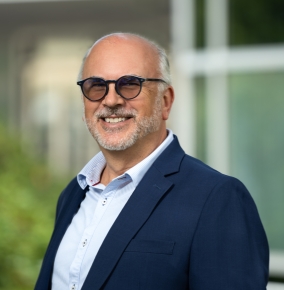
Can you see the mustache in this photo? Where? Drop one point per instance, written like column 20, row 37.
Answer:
column 118, row 111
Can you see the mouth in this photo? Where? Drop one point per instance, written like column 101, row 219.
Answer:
column 115, row 120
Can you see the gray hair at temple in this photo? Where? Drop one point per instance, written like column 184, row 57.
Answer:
column 164, row 66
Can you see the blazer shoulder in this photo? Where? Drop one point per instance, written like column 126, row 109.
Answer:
column 196, row 167
column 204, row 177
column 190, row 172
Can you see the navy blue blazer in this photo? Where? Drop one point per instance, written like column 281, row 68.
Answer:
column 186, row 226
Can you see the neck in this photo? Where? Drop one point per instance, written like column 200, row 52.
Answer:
column 118, row 162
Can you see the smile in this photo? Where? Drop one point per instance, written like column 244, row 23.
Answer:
column 114, row 120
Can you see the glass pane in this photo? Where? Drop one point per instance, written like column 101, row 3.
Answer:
column 257, row 143
column 256, row 21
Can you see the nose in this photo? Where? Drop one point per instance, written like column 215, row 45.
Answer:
column 112, row 99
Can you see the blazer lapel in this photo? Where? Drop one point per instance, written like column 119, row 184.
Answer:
column 135, row 213
column 75, row 197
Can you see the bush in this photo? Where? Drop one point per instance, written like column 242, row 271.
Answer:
column 28, row 194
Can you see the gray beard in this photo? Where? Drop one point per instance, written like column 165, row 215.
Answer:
column 144, row 126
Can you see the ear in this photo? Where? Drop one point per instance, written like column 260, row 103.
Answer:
column 168, row 99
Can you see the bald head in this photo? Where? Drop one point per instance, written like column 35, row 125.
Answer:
column 153, row 53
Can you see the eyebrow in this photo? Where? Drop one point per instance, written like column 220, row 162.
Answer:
column 99, row 77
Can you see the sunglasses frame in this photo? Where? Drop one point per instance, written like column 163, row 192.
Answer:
column 107, row 82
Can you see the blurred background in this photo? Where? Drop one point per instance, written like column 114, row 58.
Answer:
column 227, row 59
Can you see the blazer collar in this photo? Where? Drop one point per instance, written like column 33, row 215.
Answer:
column 169, row 161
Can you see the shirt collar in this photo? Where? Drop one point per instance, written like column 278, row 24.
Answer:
column 91, row 173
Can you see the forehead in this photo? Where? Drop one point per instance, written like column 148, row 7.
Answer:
column 114, row 57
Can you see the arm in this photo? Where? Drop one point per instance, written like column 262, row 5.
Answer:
column 230, row 249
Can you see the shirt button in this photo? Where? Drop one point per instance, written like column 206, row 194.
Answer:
column 104, row 201
column 84, row 244
column 73, row 287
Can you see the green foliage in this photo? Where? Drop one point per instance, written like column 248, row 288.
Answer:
column 28, row 195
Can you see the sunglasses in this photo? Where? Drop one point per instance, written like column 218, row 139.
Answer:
column 128, row 87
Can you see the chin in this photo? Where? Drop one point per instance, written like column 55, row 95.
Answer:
column 118, row 144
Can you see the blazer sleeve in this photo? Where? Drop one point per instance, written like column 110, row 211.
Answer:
column 230, row 248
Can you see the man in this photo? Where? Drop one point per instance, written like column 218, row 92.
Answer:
column 142, row 214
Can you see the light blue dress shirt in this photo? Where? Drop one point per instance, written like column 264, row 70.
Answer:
column 97, row 213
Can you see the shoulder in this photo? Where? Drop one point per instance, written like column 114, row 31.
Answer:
column 191, row 174
column 201, row 173
column 207, row 185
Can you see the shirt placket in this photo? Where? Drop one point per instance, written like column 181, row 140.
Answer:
column 102, row 205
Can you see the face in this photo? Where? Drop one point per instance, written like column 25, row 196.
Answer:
column 114, row 122
column 114, row 135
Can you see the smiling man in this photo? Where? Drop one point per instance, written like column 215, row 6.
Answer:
column 142, row 214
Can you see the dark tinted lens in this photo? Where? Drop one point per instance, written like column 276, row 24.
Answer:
column 94, row 88
column 129, row 86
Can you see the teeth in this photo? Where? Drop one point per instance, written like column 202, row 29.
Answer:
column 114, row 120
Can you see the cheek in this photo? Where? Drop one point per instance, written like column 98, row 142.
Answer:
column 145, row 111
column 147, row 106
column 90, row 108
